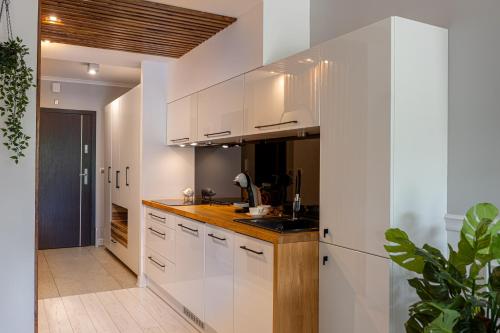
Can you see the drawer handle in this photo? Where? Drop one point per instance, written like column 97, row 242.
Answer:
column 187, row 228
column 218, row 238
column 157, row 233
column 277, row 124
column 218, row 133
column 180, row 140
column 157, row 217
column 113, row 241
column 250, row 250
column 156, row 262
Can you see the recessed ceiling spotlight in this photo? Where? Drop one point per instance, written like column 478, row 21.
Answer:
column 93, row 69
column 225, row 146
column 194, row 144
column 182, row 145
column 52, row 19
column 325, row 62
column 46, row 41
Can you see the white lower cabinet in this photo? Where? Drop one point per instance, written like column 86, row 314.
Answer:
column 253, row 285
column 353, row 292
column 219, row 264
column 159, row 270
column 189, row 265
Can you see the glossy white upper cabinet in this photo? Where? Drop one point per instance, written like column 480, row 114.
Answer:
column 189, row 265
column 253, row 285
column 354, row 291
column 219, row 253
column 182, row 120
column 220, row 110
column 284, row 95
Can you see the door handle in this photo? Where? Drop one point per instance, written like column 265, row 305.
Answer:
column 157, row 263
column 179, row 140
column 157, row 233
column 117, row 184
column 187, row 228
column 109, row 175
column 277, row 124
column 85, row 176
column 215, row 237
column 250, row 250
column 218, row 134
column 325, row 260
column 126, row 176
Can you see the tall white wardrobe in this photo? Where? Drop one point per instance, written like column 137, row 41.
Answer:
column 383, row 164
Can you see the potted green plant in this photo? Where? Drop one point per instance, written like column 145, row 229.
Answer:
column 460, row 293
column 16, row 78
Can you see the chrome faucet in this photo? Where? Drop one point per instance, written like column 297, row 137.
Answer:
column 296, row 200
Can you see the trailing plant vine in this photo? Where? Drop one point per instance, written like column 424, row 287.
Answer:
column 16, row 78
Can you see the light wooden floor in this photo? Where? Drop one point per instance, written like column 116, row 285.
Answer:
column 135, row 310
column 84, row 270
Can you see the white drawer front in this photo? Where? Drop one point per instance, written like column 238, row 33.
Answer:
column 158, row 216
column 159, row 269
column 161, row 239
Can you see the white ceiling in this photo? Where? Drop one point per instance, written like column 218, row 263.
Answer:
column 232, row 8
column 61, row 70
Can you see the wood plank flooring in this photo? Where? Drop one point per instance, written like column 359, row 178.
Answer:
column 135, row 310
column 77, row 271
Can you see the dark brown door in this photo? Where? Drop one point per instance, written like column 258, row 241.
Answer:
column 67, row 169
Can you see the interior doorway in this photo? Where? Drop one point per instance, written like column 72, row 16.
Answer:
column 66, row 178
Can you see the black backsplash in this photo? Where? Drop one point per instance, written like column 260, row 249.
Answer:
column 273, row 165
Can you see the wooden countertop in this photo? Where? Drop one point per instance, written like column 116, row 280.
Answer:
column 223, row 216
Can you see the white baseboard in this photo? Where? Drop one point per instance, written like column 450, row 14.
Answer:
column 454, row 222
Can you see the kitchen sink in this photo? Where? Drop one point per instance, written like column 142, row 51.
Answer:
column 282, row 225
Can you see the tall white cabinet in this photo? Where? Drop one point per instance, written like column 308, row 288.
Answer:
column 383, row 164
column 122, row 191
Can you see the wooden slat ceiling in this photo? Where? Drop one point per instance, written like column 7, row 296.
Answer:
column 129, row 25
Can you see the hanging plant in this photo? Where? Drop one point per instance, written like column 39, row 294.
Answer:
column 16, row 78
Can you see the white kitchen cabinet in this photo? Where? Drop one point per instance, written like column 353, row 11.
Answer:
column 384, row 136
column 182, row 120
column 253, row 285
column 189, row 263
column 106, row 228
column 220, row 110
column 159, row 269
column 161, row 239
column 284, row 95
column 383, row 164
column 219, row 273
column 354, row 293
column 122, row 130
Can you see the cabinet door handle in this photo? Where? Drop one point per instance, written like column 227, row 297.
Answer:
column 218, row 238
column 109, row 175
column 156, row 262
column 126, row 176
column 113, row 241
column 277, row 124
column 157, row 233
column 180, row 140
column 218, row 134
column 250, row 250
column 162, row 219
column 117, row 184
column 325, row 260
column 325, row 232
column 187, row 228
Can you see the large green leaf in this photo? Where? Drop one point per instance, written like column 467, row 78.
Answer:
column 444, row 323
column 476, row 238
column 403, row 251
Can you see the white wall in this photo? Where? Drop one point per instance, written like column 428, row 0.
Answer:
column 17, row 199
column 166, row 171
column 286, row 28
column 86, row 97
column 474, row 78
column 233, row 51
